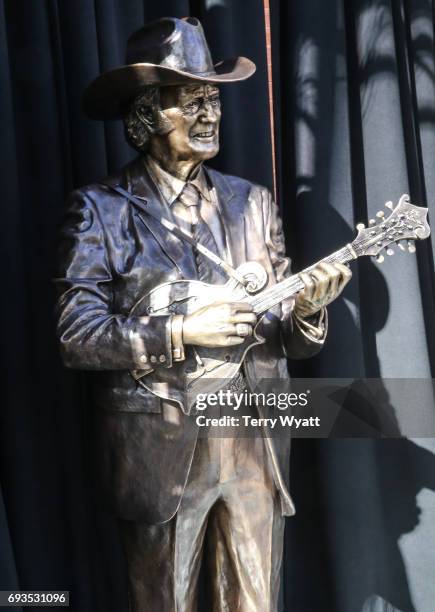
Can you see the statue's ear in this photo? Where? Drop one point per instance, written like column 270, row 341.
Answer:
column 146, row 115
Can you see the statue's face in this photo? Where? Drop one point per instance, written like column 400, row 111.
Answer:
column 194, row 112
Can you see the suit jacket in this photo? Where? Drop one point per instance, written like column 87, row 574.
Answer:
column 111, row 255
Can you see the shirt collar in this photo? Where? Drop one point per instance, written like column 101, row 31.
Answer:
column 170, row 186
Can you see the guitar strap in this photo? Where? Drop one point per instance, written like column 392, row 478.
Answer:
column 180, row 233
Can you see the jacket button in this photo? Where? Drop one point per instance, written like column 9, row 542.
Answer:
column 153, row 359
column 162, row 358
column 143, row 358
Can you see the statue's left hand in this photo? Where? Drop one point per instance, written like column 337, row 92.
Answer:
column 322, row 285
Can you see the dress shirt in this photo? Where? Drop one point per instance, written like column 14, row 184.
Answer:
column 171, row 187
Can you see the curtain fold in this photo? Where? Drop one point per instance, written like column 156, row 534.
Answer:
column 351, row 141
column 354, row 89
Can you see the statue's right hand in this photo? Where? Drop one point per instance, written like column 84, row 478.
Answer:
column 220, row 324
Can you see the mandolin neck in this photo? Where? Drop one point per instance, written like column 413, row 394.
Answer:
column 274, row 295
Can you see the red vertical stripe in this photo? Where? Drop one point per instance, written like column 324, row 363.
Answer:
column 270, row 86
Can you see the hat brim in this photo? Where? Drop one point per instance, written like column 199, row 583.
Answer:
column 107, row 96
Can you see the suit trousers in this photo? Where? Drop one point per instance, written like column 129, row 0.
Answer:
column 229, row 517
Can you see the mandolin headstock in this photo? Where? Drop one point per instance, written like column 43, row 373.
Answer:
column 405, row 224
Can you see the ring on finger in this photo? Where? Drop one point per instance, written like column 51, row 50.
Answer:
column 242, row 329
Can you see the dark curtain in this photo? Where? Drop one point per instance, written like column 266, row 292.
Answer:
column 355, row 126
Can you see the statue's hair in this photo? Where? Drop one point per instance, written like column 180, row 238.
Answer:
column 144, row 117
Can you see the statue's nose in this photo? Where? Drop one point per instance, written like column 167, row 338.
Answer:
column 208, row 113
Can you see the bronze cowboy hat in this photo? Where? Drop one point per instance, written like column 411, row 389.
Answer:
column 167, row 51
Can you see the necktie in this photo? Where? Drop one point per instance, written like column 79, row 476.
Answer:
column 207, row 270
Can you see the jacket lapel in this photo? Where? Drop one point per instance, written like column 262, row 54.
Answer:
column 232, row 210
column 138, row 182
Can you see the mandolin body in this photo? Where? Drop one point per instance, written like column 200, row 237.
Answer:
column 204, row 370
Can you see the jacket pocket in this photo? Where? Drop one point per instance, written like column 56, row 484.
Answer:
column 136, row 400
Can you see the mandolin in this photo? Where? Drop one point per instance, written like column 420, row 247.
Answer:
column 205, row 369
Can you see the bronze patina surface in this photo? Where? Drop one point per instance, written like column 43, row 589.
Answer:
column 180, row 500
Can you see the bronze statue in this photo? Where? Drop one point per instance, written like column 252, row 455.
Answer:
column 176, row 495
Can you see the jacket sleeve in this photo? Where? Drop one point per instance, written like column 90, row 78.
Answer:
column 91, row 335
column 300, row 338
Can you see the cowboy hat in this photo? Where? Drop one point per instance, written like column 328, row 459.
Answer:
column 167, row 51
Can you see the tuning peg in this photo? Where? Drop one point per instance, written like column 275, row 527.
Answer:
column 372, row 221
column 380, row 258
column 380, row 214
column 389, row 251
column 411, row 246
column 360, row 226
column 401, row 244
column 389, row 205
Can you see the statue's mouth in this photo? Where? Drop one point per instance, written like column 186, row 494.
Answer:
column 206, row 135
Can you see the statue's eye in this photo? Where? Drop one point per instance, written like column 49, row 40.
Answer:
column 193, row 106
column 215, row 101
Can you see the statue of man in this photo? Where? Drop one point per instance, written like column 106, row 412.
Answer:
column 179, row 499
